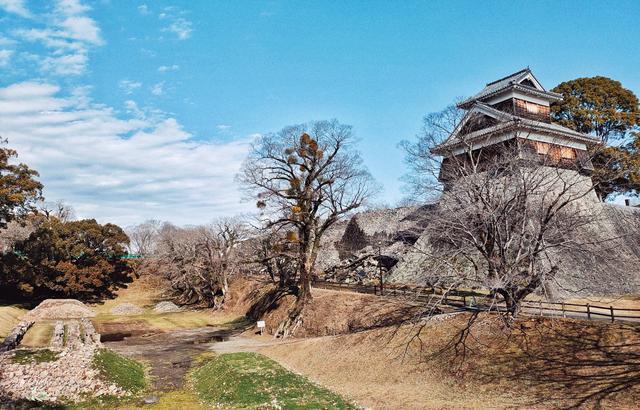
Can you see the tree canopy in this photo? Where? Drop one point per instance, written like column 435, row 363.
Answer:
column 79, row 259
column 602, row 107
column 19, row 189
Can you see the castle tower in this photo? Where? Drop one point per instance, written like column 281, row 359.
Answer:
column 513, row 113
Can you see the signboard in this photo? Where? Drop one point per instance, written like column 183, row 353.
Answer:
column 261, row 325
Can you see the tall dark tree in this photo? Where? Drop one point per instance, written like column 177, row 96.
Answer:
column 79, row 259
column 602, row 107
column 19, row 189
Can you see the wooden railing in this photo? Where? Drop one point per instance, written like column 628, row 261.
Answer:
column 478, row 301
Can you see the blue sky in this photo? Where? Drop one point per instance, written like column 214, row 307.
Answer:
column 132, row 110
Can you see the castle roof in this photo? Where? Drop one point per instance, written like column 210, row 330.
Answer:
column 505, row 122
column 523, row 81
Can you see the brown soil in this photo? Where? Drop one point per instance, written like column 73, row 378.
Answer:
column 331, row 312
column 243, row 293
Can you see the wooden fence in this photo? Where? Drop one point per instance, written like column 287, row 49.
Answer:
column 478, row 301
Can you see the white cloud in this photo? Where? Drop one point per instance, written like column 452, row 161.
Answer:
column 165, row 68
column 71, row 7
column 68, row 35
column 5, row 57
column 129, row 86
column 223, row 127
column 16, row 7
column 123, row 170
column 143, row 9
column 158, row 89
column 180, row 27
column 82, row 28
column 6, row 41
column 70, row 64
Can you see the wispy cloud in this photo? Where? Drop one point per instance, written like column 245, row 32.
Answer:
column 223, row 127
column 128, row 86
column 165, row 68
column 158, row 89
column 119, row 169
column 16, row 7
column 68, row 35
column 181, row 27
column 70, row 64
column 143, row 9
column 5, row 57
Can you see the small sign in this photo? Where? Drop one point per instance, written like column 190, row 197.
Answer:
column 261, row 324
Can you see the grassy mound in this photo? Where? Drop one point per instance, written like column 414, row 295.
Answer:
column 250, row 380
column 124, row 372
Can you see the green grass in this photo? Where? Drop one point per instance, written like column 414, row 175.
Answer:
column 23, row 356
column 124, row 372
column 251, row 380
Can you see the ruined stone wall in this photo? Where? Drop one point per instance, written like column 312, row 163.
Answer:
column 613, row 270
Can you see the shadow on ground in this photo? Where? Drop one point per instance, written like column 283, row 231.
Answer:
column 555, row 363
column 579, row 364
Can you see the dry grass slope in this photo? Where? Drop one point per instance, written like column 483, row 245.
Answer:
column 540, row 364
column 9, row 318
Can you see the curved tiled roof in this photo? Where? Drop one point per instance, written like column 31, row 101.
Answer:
column 508, row 122
column 511, row 81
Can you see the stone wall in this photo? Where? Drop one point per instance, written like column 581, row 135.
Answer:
column 399, row 235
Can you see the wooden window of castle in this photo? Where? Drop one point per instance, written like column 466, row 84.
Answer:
column 555, row 153
column 542, row 148
column 536, row 110
column 568, row 153
column 532, row 108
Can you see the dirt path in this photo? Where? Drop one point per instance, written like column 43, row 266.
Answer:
column 169, row 354
column 242, row 343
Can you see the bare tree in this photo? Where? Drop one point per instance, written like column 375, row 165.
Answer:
column 504, row 215
column 422, row 179
column 59, row 210
column 271, row 252
column 143, row 237
column 199, row 260
column 305, row 178
column 502, row 225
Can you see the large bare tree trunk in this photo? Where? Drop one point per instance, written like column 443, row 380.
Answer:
column 306, row 275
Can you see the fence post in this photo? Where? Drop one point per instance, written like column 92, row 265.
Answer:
column 564, row 315
column 588, row 311
column 540, row 306
column 612, row 317
column 464, row 300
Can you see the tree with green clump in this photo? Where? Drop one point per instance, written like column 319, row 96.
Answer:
column 304, row 179
column 602, row 107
